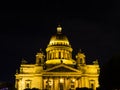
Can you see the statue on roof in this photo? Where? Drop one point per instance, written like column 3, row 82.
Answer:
column 23, row 61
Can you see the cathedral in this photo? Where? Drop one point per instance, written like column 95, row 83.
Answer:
column 57, row 70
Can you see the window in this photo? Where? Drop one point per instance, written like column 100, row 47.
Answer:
column 48, row 84
column 28, row 84
column 92, row 85
column 40, row 60
column 72, row 83
column 61, row 86
column 80, row 60
column 92, row 82
column 72, row 86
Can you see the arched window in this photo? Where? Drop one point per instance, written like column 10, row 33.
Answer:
column 80, row 60
column 28, row 84
column 92, row 82
column 39, row 61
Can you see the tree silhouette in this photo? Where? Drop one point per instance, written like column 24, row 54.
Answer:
column 110, row 74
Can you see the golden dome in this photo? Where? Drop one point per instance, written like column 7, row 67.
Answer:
column 59, row 49
column 59, row 38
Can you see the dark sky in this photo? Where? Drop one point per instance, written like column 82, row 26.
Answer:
column 91, row 26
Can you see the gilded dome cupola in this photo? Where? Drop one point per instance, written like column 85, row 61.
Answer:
column 59, row 38
column 59, row 49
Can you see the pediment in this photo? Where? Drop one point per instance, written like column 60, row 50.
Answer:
column 62, row 68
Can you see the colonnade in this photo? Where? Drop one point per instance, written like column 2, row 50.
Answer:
column 59, row 54
column 61, row 83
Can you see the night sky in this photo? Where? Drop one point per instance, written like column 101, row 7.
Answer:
column 92, row 26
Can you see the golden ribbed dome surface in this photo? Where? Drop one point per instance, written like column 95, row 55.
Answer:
column 59, row 38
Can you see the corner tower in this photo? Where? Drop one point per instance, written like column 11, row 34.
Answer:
column 59, row 50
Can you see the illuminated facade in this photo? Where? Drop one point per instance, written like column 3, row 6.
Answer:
column 57, row 70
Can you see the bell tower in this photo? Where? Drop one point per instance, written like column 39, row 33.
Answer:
column 80, row 58
column 40, row 58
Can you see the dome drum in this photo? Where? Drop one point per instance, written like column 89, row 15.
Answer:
column 59, row 48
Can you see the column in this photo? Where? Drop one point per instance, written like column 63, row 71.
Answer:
column 86, row 82
column 51, row 54
column 70, row 55
column 66, row 83
column 41, row 83
column 67, row 54
column 48, row 55
column 16, row 83
column 57, row 54
column 78, row 80
column 57, row 84
column 61, row 54
column 20, row 85
column 53, row 83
